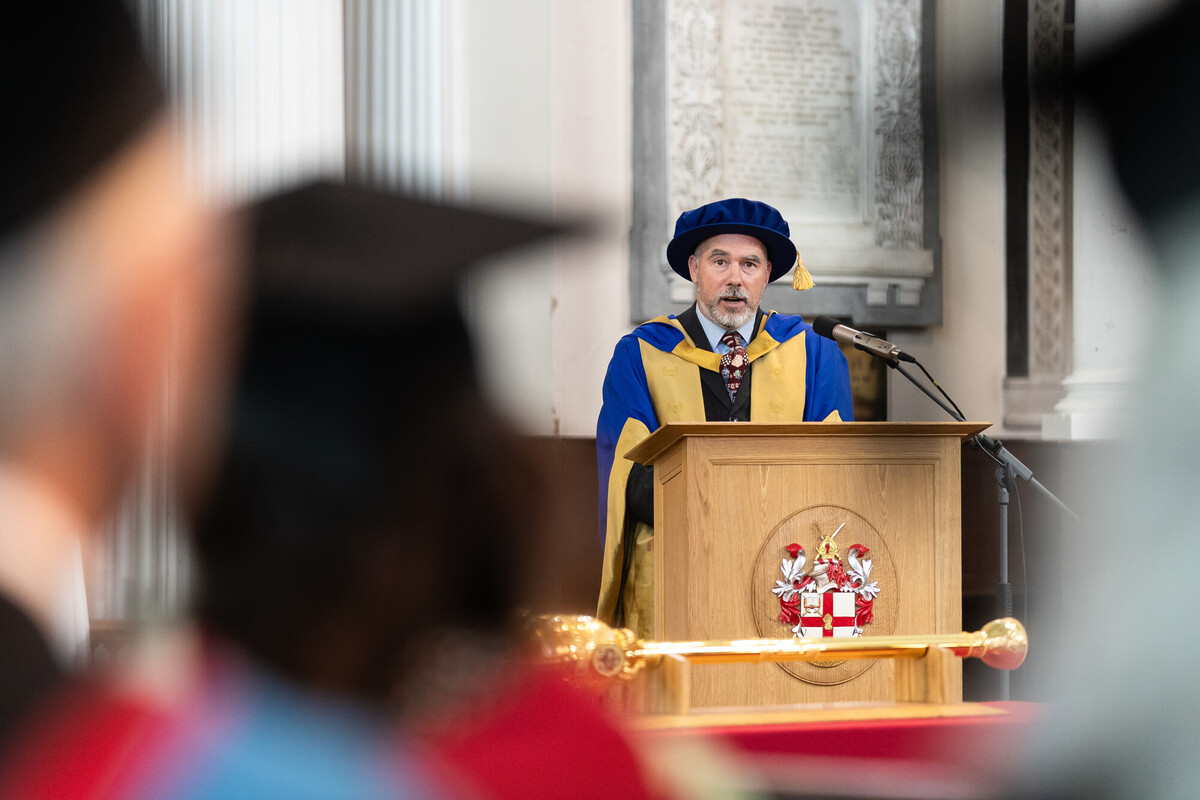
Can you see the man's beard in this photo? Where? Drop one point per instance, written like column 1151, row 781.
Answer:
column 729, row 320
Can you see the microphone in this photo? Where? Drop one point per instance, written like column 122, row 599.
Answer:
column 830, row 328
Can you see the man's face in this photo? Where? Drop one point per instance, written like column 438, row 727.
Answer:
column 730, row 272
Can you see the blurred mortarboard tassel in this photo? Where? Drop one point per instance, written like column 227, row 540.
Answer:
column 77, row 87
column 1145, row 91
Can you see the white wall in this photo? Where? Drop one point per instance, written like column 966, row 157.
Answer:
column 967, row 352
column 593, row 90
column 507, row 80
column 550, row 120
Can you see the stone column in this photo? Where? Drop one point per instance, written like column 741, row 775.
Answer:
column 258, row 86
column 398, row 123
column 1111, row 275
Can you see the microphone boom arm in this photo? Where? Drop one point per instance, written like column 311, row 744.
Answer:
column 994, row 448
column 896, row 366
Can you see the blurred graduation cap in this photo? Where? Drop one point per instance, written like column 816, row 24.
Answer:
column 339, row 248
column 359, row 441
column 354, row 329
column 76, row 88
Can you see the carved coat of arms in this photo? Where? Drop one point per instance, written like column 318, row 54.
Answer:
column 834, row 598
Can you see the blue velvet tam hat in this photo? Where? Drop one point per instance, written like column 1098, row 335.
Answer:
column 735, row 215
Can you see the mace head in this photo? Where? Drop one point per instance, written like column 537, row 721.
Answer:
column 1005, row 643
column 588, row 653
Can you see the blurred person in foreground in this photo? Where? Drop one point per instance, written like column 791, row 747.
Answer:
column 372, row 528
column 1124, row 722
column 109, row 268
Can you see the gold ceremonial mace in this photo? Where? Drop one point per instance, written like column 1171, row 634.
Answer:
column 596, row 653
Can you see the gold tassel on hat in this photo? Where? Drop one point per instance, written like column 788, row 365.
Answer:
column 801, row 279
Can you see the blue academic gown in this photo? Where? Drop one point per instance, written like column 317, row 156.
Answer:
column 664, row 371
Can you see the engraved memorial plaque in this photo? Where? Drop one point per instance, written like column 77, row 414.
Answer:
column 818, row 107
column 793, row 107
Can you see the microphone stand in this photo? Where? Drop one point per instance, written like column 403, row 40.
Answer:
column 1008, row 469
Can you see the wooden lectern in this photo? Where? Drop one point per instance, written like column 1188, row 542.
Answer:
column 729, row 499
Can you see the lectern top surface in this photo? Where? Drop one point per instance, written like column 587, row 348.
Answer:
column 666, row 436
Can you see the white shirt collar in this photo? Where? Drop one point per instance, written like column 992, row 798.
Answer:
column 41, row 559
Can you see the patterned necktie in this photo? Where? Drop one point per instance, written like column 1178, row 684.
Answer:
column 734, row 364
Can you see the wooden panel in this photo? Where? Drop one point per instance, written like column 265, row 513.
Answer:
column 670, row 512
column 926, row 679
column 729, row 509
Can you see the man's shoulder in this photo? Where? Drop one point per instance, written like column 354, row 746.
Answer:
column 782, row 327
column 786, row 329
column 662, row 333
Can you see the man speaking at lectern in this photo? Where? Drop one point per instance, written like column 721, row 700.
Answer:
column 702, row 365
